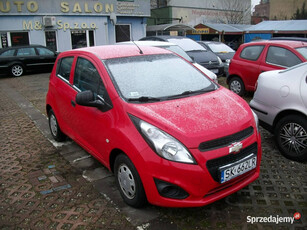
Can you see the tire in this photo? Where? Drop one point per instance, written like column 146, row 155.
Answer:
column 129, row 182
column 236, row 85
column 55, row 130
column 17, row 70
column 291, row 137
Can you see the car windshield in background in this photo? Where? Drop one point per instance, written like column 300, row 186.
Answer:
column 157, row 77
column 187, row 44
column 302, row 51
column 179, row 51
column 220, row 48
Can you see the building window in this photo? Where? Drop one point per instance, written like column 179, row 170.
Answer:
column 4, row 41
column 51, row 40
column 82, row 38
column 19, row 38
column 122, row 33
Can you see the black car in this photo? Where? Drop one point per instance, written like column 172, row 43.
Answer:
column 17, row 60
column 220, row 49
column 198, row 53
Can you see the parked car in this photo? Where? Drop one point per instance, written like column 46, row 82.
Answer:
column 17, row 60
column 157, row 122
column 197, row 52
column 223, row 51
column 280, row 102
column 176, row 49
column 253, row 58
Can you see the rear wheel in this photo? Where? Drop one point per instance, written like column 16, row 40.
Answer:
column 17, row 70
column 291, row 137
column 55, row 130
column 236, row 85
column 129, row 182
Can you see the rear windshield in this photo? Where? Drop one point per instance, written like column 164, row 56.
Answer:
column 156, row 76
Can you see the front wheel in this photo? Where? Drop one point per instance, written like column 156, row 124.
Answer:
column 55, row 130
column 291, row 137
column 236, row 85
column 17, row 70
column 129, row 182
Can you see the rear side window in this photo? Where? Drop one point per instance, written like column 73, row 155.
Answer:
column 44, row 51
column 282, row 57
column 64, row 67
column 8, row 53
column 26, row 52
column 251, row 52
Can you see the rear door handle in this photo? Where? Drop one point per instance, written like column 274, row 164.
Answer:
column 73, row 103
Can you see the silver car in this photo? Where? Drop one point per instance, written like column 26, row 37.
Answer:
column 280, row 102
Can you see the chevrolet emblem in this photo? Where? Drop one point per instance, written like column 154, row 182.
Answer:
column 235, row 147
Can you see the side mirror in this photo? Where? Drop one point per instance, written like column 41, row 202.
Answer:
column 86, row 98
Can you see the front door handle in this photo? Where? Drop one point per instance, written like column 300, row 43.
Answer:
column 73, row 103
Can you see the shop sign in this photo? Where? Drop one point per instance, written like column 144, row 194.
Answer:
column 201, row 31
column 37, row 25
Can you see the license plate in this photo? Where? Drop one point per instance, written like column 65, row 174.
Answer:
column 238, row 168
column 214, row 70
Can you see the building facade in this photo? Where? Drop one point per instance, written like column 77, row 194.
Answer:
column 64, row 25
column 200, row 11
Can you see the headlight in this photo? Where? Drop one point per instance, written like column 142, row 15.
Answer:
column 256, row 120
column 162, row 143
column 227, row 61
column 219, row 60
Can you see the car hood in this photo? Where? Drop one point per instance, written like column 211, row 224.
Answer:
column 201, row 56
column 225, row 56
column 196, row 119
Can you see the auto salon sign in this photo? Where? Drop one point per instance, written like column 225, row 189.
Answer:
column 73, row 7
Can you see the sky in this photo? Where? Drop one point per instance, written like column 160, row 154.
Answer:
column 255, row 2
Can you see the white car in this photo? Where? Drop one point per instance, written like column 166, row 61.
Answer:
column 280, row 102
column 176, row 49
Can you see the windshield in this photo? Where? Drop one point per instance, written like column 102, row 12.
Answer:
column 156, row 77
column 179, row 51
column 186, row 44
column 303, row 51
column 220, row 48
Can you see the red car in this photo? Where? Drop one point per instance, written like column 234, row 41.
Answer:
column 171, row 135
column 253, row 58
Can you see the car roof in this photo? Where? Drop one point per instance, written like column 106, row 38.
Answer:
column 289, row 43
column 118, row 51
column 148, row 43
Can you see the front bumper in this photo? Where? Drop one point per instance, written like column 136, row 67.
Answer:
column 196, row 180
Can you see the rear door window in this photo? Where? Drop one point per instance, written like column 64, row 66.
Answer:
column 26, row 52
column 251, row 52
column 64, row 67
column 281, row 57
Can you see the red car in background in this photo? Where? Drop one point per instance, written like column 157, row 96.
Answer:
column 253, row 58
column 171, row 135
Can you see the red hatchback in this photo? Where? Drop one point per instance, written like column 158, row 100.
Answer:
column 253, row 58
column 171, row 136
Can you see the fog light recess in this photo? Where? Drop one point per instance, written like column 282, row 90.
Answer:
column 169, row 190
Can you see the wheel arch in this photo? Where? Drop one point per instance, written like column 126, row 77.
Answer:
column 286, row 113
column 114, row 153
column 228, row 79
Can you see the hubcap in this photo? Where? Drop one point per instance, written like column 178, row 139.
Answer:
column 126, row 181
column 17, row 70
column 235, row 86
column 53, row 125
column 293, row 138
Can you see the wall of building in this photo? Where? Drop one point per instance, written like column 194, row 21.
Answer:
column 90, row 20
column 284, row 10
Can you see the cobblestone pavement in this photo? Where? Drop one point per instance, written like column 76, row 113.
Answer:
column 44, row 187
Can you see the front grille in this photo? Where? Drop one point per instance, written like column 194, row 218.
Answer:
column 225, row 141
column 214, row 165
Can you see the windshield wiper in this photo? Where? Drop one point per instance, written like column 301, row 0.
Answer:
column 144, row 99
column 191, row 92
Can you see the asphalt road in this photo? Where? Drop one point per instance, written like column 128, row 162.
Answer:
column 44, row 185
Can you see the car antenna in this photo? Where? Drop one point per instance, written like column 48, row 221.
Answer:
column 141, row 52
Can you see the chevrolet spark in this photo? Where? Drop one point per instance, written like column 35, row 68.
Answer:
column 170, row 135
